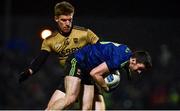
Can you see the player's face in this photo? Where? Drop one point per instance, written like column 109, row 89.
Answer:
column 64, row 22
column 135, row 66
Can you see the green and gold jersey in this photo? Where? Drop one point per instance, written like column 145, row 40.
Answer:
column 63, row 46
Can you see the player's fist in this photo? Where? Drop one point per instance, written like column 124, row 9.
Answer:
column 112, row 80
column 106, row 89
column 24, row 75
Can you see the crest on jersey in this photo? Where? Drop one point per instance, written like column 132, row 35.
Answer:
column 127, row 50
column 57, row 45
column 75, row 40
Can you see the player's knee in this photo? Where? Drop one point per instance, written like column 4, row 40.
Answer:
column 71, row 99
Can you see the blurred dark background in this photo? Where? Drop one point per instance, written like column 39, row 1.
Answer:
column 150, row 25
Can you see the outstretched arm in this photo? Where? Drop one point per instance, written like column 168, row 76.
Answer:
column 97, row 74
column 34, row 66
column 39, row 61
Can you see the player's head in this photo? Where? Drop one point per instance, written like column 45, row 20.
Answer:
column 64, row 12
column 140, row 61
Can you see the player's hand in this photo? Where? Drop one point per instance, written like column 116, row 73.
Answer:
column 24, row 75
column 106, row 89
column 110, row 89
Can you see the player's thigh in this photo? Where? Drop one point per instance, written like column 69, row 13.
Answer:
column 56, row 95
column 72, row 86
column 99, row 103
column 88, row 95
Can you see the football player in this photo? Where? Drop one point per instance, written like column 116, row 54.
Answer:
column 93, row 62
column 64, row 41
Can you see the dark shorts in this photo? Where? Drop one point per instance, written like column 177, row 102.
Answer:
column 72, row 68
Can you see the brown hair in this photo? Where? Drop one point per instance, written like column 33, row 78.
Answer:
column 143, row 57
column 63, row 8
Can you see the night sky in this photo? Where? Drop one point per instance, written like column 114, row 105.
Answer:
column 128, row 8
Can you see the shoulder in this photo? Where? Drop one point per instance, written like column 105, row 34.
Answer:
column 54, row 33
column 80, row 28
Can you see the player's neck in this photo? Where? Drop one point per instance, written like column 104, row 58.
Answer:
column 65, row 34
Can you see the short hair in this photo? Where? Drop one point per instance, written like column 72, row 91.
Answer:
column 143, row 57
column 63, row 8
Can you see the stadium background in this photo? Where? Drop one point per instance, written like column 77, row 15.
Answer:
column 150, row 25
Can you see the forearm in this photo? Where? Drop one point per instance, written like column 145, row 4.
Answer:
column 34, row 66
column 97, row 74
column 38, row 61
column 100, row 81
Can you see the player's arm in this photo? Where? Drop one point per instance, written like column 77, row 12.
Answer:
column 34, row 66
column 98, row 72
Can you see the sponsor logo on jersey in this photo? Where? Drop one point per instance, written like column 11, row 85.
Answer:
column 127, row 50
column 75, row 40
column 57, row 46
column 66, row 52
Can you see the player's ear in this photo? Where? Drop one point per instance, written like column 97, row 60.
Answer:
column 133, row 60
column 56, row 18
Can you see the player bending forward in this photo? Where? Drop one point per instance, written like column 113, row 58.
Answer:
column 93, row 62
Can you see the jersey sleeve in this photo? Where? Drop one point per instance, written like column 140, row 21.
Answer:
column 92, row 38
column 114, row 63
column 45, row 46
column 118, row 58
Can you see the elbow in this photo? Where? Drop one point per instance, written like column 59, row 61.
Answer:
column 93, row 73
